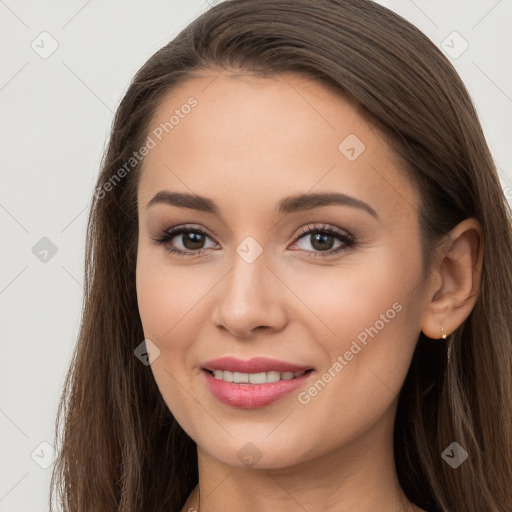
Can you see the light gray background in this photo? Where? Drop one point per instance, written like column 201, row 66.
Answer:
column 55, row 115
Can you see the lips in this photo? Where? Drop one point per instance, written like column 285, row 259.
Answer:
column 250, row 395
column 253, row 396
column 254, row 365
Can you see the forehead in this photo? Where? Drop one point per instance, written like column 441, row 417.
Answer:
column 249, row 141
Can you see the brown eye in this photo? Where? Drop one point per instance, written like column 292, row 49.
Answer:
column 322, row 242
column 323, row 239
column 183, row 240
column 192, row 241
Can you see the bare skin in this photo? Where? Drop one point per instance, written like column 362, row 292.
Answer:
column 249, row 143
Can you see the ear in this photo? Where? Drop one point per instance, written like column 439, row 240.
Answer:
column 455, row 280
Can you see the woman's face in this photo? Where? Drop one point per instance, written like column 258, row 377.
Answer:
column 261, row 277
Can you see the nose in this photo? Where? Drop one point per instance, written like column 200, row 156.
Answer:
column 249, row 299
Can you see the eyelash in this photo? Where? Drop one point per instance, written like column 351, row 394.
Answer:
column 347, row 239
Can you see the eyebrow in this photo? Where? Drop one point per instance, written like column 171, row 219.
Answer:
column 296, row 203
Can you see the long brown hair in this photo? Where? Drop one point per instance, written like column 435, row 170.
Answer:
column 121, row 449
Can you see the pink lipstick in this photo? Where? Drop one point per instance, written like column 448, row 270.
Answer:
column 254, row 383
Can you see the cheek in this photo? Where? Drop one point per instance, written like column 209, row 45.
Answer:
column 171, row 301
column 367, row 332
column 348, row 298
column 157, row 305
column 366, row 314
column 162, row 294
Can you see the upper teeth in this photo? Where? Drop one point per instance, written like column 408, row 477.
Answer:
column 255, row 378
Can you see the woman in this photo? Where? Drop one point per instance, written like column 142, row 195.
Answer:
column 227, row 358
